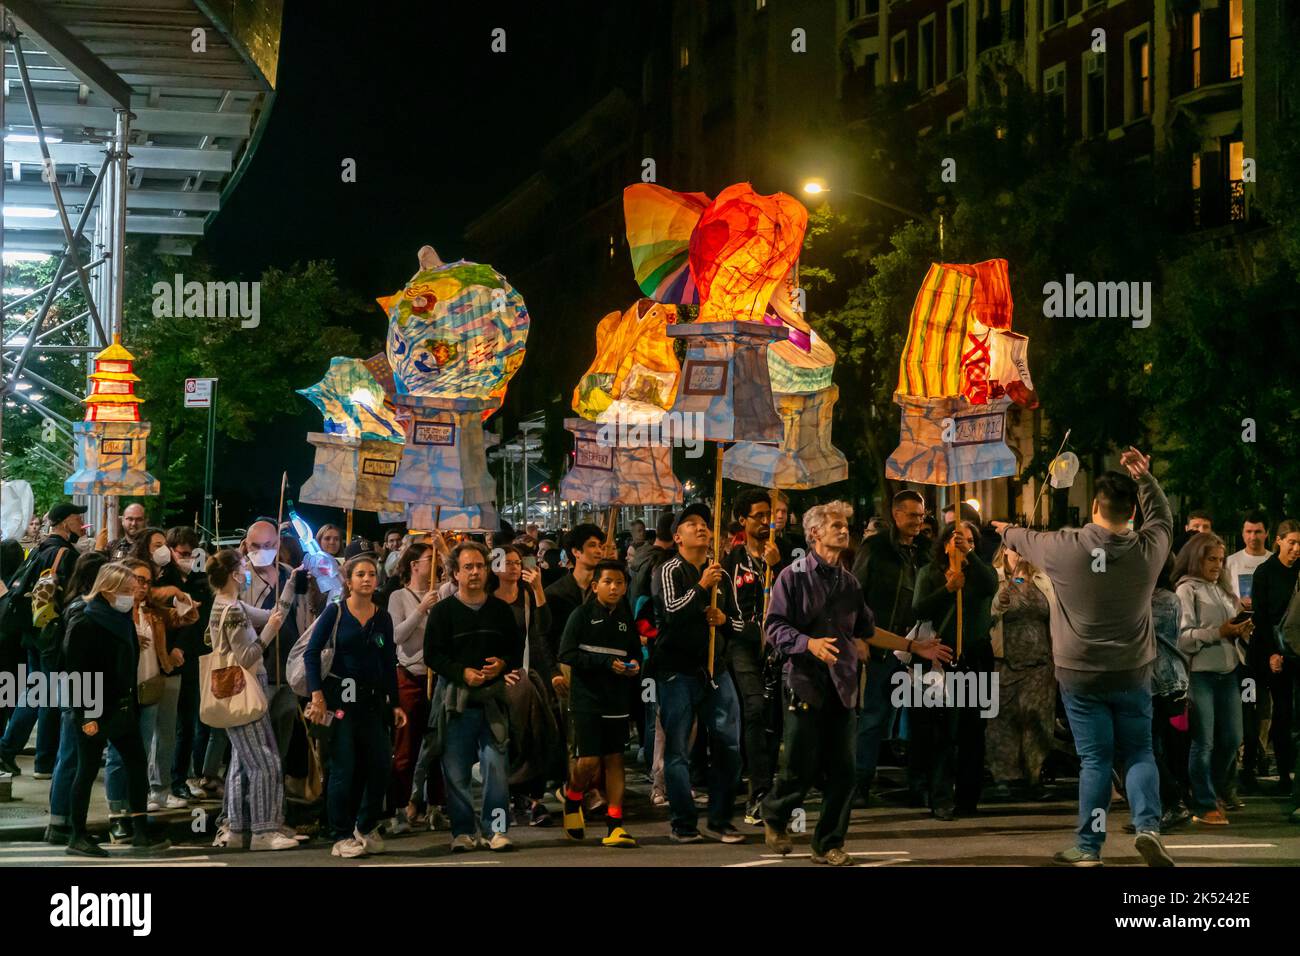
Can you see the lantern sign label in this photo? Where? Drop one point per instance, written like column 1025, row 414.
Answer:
column 198, row 392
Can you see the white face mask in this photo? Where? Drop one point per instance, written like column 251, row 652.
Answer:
column 262, row 557
column 162, row 556
column 124, row 602
column 185, row 564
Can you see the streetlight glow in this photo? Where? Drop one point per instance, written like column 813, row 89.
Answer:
column 816, row 186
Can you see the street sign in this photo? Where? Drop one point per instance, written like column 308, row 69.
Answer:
column 198, row 392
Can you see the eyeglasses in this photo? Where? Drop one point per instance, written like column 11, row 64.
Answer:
column 142, row 579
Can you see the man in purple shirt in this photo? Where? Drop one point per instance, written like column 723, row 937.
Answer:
column 817, row 595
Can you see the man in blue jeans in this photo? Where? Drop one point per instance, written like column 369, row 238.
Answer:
column 57, row 552
column 473, row 644
column 685, row 690
column 1103, row 645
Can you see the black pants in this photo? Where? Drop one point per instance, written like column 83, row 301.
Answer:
column 122, row 730
column 187, row 728
column 1169, row 747
column 819, row 747
column 747, row 672
column 946, row 755
column 1285, row 745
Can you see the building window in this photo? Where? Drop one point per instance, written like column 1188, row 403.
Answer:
column 1196, row 50
column 1137, row 82
column 1196, row 190
column 925, row 54
column 1053, row 12
column 898, row 58
column 1094, row 94
column 1236, row 47
column 1054, row 91
column 862, row 8
column 956, row 38
column 684, row 57
column 1236, row 188
column 760, row 4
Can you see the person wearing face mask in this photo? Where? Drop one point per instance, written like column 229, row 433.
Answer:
column 266, row 583
column 179, row 573
column 103, row 641
column 56, row 552
column 158, row 689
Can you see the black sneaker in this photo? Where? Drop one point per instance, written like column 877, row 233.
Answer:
column 118, row 831
column 945, row 813
column 80, row 846
column 686, row 836
column 1174, row 817
column 539, row 816
column 57, row 835
column 8, row 766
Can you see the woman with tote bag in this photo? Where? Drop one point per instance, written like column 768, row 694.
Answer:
column 255, row 781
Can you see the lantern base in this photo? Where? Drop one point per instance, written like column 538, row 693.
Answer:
column 605, row 474
column 445, row 458
column 352, row 473
column 725, row 380
column 804, row 459
column 948, row 441
column 111, row 460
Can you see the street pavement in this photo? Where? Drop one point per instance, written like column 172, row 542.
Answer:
column 1001, row 834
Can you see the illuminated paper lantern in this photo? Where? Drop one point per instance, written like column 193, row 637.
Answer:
column 351, row 472
column 354, row 402
column 112, row 395
column 1063, row 469
column 455, row 331
column 804, row 459
column 110, row 442
column 961, row 368
column 473, row 518
column 635, row 371
column 659, row 224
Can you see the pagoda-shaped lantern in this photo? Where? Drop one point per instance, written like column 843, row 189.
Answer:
column 111, row 440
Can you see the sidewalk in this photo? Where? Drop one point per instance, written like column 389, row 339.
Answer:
column 25, row 817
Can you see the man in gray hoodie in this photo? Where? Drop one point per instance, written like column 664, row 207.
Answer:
column 1103, row 646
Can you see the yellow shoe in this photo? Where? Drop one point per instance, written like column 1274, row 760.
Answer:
column 618, row 837
column 575, row 827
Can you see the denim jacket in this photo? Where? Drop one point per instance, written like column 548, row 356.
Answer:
column 1169, row 671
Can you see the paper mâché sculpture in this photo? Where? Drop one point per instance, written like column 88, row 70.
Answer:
column 961, row 368
column 111, row 440
column 358, row 453
column 456, row 335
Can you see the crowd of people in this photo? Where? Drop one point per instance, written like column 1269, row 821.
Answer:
column 1149, row 664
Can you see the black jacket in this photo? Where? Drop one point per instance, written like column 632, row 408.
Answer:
column 1270, row 593
column 935, row 603
column 457, row 637
column 102, row 640
column 563, row 598
column 886, row 570
column 594, row 638
column 682, row 646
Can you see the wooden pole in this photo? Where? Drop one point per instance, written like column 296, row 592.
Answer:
column 433, row 581
column 611, row 529
column 955, row 561
column 717, row 550
column 767, row 573
column 347, row 539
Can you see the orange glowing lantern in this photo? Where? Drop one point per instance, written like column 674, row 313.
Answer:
column 112, row 395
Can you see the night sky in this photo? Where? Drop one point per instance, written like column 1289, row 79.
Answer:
column 441, row 129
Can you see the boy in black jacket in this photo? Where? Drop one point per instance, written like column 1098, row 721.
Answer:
column 603, row 647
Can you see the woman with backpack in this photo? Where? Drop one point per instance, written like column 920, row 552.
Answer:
column 360, row 755
column 103, row 640
column 1208, row 635
column 254, row 798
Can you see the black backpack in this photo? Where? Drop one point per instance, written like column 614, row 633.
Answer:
column 16, row 605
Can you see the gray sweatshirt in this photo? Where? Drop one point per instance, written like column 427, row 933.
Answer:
column 1205, row 607
column 1101, row 622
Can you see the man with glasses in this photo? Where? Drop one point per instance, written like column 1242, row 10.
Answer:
column 885, row 567
column 133, row 521
column 748, row 565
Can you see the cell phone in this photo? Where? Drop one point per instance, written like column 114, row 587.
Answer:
column 530, row 563
column 1243, row 616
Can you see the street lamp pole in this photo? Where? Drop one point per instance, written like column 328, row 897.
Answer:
column 817, row 187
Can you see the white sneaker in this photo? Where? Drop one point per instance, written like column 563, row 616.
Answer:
column 349, row 848
column 272, row 841
column 173, row 802
column 399, row 824
column 42, row 776
column 222, row 837
column 153, row 806
column 372, row 841
column 197, row 792
column 659, row 798
column 293, row 834
column 463, row 844
column 500, row 842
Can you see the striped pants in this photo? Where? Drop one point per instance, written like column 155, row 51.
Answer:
column 255, row 777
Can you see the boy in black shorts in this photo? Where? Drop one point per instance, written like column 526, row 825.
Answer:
column 603, row 648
